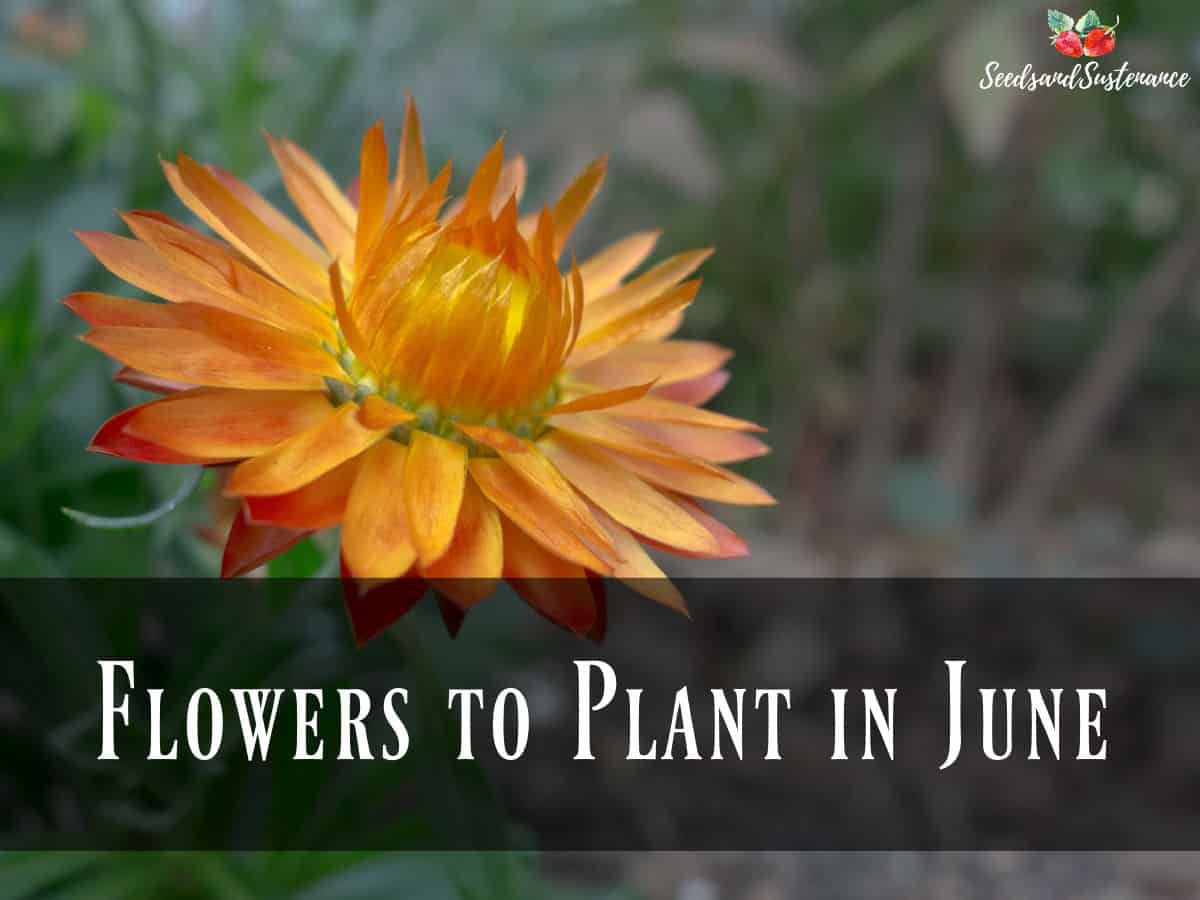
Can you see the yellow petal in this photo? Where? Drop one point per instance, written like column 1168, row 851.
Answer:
column 376, row 540
column 228, row 423
column 624, row 496
column 470, row 568
column 606, row 269
column 305, row 457
column 433, row 491
column 194, row 358
column 379, row 413
column 550, row 525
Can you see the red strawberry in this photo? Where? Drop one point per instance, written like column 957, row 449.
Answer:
column 1100, row 41
column 1068, row 44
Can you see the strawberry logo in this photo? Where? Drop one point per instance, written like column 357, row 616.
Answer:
column 1086, row 37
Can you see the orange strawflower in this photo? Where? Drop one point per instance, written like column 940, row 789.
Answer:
column 425, row 377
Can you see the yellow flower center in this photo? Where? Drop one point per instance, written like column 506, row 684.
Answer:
column 461, row 327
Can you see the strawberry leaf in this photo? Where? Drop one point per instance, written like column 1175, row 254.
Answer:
column 1089, row 21
column 1059, row 21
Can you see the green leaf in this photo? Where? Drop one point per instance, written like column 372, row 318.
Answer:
column 1089, row 21
column 1059, row 21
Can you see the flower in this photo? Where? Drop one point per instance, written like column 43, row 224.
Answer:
column 425, row 378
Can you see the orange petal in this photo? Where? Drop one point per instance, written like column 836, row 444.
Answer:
column 659, row 410
column 141, row 266
column 605, row 270
column 730, row 544
column 412, row 171
column 511, row 184
column 638, row 570
column 615, row 434
column 372, row 193
column 240, row 334
column 379, row 413
column 575, row 200
column 250, row 546
column 197, row 359
column 229, row 424
column 624, row 496
column 245, row 290
column 478, row 199
column 631, row 325
column 555, row 528
column 599, row 400
column 226, row 214
column 643, row 289
column 469, row 570
column 152, row 383
column 495, row 438
column 717, row 484
column 305, row 457
column 270, row 216
column 556, row 588
column 695, row 391
column 718, row 445
column 376, row 540
column 667, row 361
column 319, row 504
column 433, row 491
column 113, row 440
column 540, row 473
column 317, row 196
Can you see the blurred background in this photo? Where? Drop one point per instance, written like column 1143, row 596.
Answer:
column 968, row 317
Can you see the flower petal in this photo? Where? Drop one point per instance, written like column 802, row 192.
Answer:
column 695, row 391
column 659, row 410
column 245, row 290
column 558, row 589
column 469, row 570
column 667, row 361
column 639, row 571
column 643, row 289
column 373, row 608
column 624, row 496
column 575, row 200
column 270, row 215
column 379, row 413
column 210, row 199
column 151, row 383
column 113, row 440
column 318, row 198
column 372, row 193
column 139, row 265
column 412, row 171
column 319, row 504
column 717, row 484
column 250, row 546
column 195, row 358
column 305, row 457
column 433, row 492
column 599, row 400
column 605, row 270
column 730, row 544
column 631, row 325
column 229, row 424
column 376, row 539
column 552, row 526
column 717, row 445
